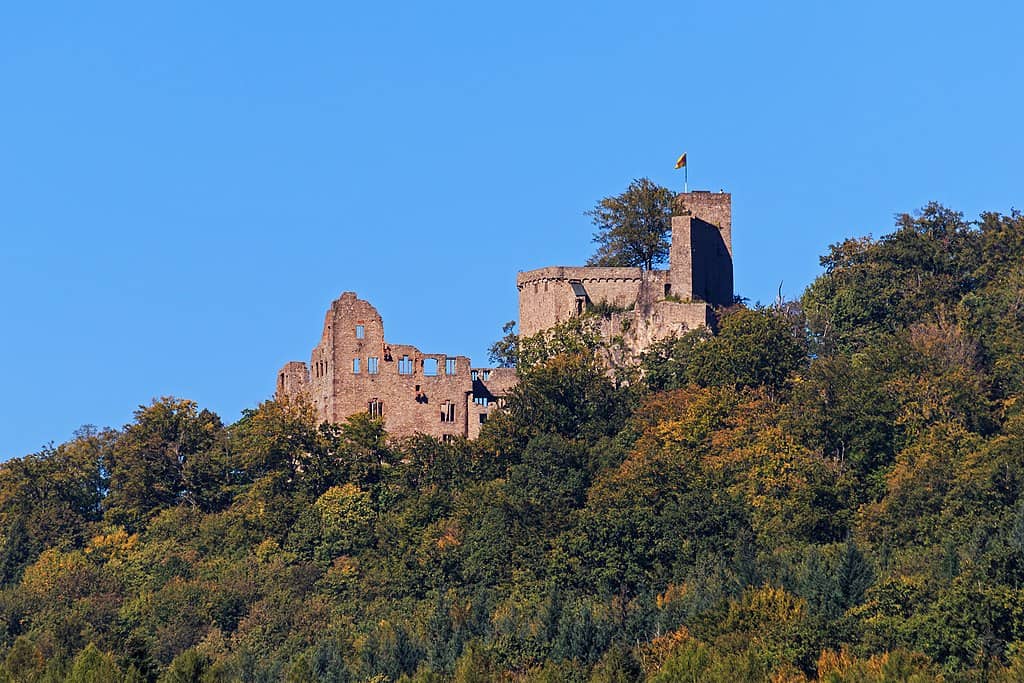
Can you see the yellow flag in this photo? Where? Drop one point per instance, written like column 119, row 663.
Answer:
column 681, row 161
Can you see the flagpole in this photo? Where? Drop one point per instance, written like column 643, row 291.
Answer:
column 686, row 178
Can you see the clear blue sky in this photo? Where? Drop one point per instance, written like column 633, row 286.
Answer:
column 184, row 187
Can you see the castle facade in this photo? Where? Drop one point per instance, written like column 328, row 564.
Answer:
column 354, row 369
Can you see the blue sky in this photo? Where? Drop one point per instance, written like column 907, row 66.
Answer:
column 184, row 187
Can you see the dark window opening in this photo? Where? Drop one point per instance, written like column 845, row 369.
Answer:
column 375, row 408
column 447, row 412
column 668, row 289
column 483, row 418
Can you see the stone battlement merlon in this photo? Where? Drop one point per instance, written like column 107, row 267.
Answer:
column 580, row 273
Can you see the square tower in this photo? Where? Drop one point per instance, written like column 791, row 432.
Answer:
column 700, row 258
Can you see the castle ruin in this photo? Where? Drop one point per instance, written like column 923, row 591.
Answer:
column 644, row 305
column 354, row 369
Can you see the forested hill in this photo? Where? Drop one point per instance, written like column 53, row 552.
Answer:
column 829, row 489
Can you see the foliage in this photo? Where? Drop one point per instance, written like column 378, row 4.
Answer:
column 824, row 490
column 633, row 227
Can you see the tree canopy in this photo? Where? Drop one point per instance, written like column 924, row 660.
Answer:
column 633, row 227
column 827, row 490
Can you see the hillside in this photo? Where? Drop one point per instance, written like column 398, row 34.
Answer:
column 829, row 489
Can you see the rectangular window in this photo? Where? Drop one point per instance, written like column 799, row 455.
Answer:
column 430, row 367
column 473, row 374
column 371, row 365
column 355, row 366
column 480, row 400
column 375, row 408
column 360, row 331
column 405, row 365
column 483, row 418
column 487, row 375
column 449, row 366
column 447, row 412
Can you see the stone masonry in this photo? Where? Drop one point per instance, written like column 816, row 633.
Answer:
column 354, row 369
column 650, row 304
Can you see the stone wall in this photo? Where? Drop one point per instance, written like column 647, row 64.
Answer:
column 354, row 369
column 547, row 295
column 700, row 258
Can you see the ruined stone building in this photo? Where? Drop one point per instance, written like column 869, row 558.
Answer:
column 642, row 306
column 354, row 369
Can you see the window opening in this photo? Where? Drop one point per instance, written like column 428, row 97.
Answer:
column 375, row 408
column 483, row 418
column 405, row 365
column 360, row 331
column 447, row 412
column 355, row 366
column 473, row 374
column 430, row 367
column 480, row 400
column 371, row 365
column 449, row 366
column 487, row 375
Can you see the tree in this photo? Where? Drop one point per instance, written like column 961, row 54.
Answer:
column 149, row 463
column 633, row 228
column 505, row 352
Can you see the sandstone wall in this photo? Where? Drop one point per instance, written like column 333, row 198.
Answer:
column 354, row 369
column 547, row 296
column 700, row 258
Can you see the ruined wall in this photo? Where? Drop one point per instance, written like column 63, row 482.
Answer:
column 292, row 379
column 490, row 386
column 547, row 295
column 660, row 303
column 700, row 258
column 354, row 369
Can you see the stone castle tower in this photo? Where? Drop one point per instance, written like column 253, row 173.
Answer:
column 647, row 304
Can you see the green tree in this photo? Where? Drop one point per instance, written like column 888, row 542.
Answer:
column 633, row 227
column 149, row 463
column 505, row 352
